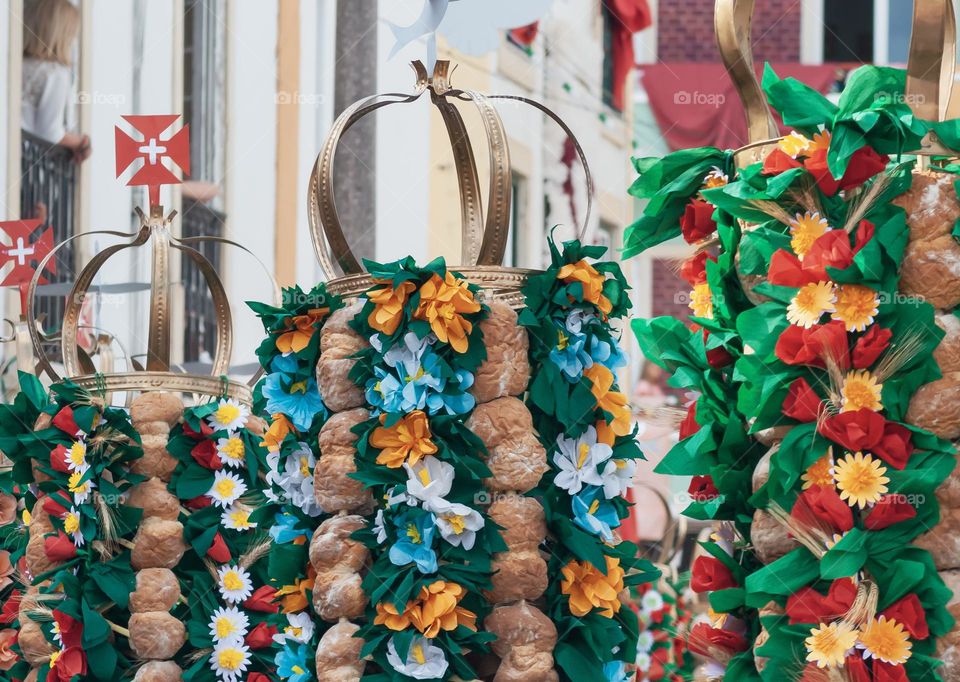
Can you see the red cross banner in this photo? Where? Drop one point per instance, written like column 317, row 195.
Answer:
column 151, row 150
column 24, row 252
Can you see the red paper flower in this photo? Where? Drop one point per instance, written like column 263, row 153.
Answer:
column 694, row 270
column 11, row 608
column 856, row 430
column 261, row 636
column 806, row 605
column 718, row 357
column 59, row 547
column 889, row 510
column 52, row 507
column 64, row 421
column 71, row 662
column 863, row 165
column 799, row 346
column 802, row 402
column 8, row 657
column 262, row 600
column 71, row 629
column 697, row 222
column 778, row 161
column 703, row 638
column 257, row 677
column 909, row 612
column 702, row 489
column 58, row 459
column 205, row 430
column 689, row 425
column 896, row 445
column 219, row 551
column 887, row 672
column 205, row 453
column 821, row 505
column 710, row 574
column 198, row 502
column 857, row 670
column 870, row 346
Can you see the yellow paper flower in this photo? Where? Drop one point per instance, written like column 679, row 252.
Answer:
column 388, row 305
column 856, row 306
column 860, row 390
column 701, row 301
column 592, row 281
column 295, row 595
column 278, row 430
column 811, row 302
column 608, row 400
column 436, row 607
column 794, row 144
column 805, row 229
column 715, row 178
column 443, row 303
column 408, row 440
column 886, row 640
column 819, row 473
column 860, row 479
column 299, row 330
column 820, row 142
column 827, row 645
column 588, row 588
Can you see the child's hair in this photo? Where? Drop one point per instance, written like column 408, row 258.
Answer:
column 49, row 29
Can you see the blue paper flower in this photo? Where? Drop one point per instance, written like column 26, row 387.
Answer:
column 415, row 531
column 299, row 400
column 606, row 353
column 292, row 663
column 615, row 671
column 570, row 355
column 454, row 399
column 284, row 529
column 420, row 382
column 593, row 513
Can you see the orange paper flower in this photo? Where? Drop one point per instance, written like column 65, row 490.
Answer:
column 443, row 303
column 436, row 608
column 592, row 281
column 294, row 597
column 278, row 430
column 388, row 305
column 589, row 588
column 608, row 400
column 300, row 329
column 408, row 440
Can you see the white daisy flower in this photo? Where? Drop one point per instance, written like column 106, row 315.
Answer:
column 81, row 490
column 71, row 526
column 645, row 641
column 76, row 456
column 579, row 460
column 299, row 628
column 234, row 583
column 227, row 488
column 228, row 624
column 232, row 451
column 651, row 601
column 617, row 477
column 429, row 479
column 424, row 661
column 230, row 415
column 230, row 659
column 643, row 661
column 458, row 523
column 237, row 517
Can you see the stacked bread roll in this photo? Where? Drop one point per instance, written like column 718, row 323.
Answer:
column 338, row 560
column 931, row 271
column 525, row 636
column 767, row 535
column 155, row 634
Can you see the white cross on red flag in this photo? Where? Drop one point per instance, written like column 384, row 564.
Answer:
column 152, row 149
column 24, row 252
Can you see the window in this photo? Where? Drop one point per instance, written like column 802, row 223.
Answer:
column 514, row 253
column 608, row 64
column 868, row 31
column 848, row 30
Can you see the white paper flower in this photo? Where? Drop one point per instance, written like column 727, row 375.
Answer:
column 651, row 601
column 230, row 415
column 429, row 479
column 227, row 488
column 232, row 451
column 71, row 525
column 234, row 583
column 380, row 528
column 617, row 477
column 76, row 456
column 645, row 641
column 643, row 660
column 299, row 628
column 296, row 480
column 424, row 661
column 576, row 318
column 81, row 489
column 458, row 523
column 228, row 624
column 230, row 659
column 237, row 517
column 579, row 460
column 406, row 353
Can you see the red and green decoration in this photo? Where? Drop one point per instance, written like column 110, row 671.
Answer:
column 587, row 428
column 665, row 615
column 799, row 287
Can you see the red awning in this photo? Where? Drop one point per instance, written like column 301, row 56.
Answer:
column 695, row 104
column 628, row 17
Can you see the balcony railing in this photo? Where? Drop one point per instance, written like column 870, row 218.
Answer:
column 48, row 186
column 199, row 220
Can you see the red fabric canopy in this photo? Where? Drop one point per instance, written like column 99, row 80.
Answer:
column 695, row 104
column 628, row 17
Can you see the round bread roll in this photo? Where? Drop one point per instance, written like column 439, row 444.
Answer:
column 525, row 642
column 506, row 371
column 155, row 413
column 156, row 461
column 156, row 501
column 948, row 648
column 338, row 343
column 947, row 353
column 943, row 540
column 36, row 556
column 156, row 635
column 40, row 522
column 520, row 572
column 34, row 645
column 159, row 671
column 158, row 544
column 515, row 456
column 770, row 540
column 157, row 590
column 338, row 654
column 338, row 561
column 332, row 486
column 931, row 270
column 936, row 407
column 931, row 205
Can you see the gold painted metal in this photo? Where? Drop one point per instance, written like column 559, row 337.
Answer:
column 484, row 238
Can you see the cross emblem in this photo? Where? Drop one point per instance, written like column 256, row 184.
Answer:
column 21, row 252
column 156, row 156
column 24, row 252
